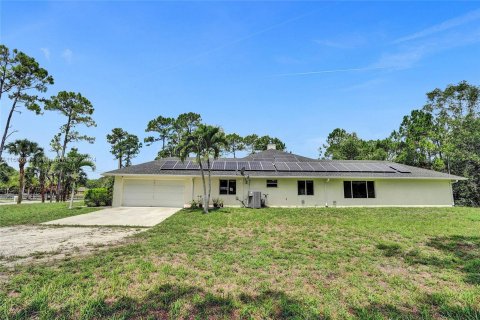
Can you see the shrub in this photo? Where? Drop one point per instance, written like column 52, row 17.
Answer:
column 97, row 197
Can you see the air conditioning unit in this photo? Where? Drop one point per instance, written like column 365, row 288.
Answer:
column 254, row 199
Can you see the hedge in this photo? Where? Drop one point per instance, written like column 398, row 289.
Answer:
column 98, row 197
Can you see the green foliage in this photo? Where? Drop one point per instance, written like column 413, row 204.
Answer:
column 255, row 143
column 77, row 110
column 23, row 149
column 234, row 143
column 98, row 197
column 206, row 143
column 171, row 132
column 261, row 143
column 103, row 182
column 125, row 146
column 444, row 135
column 21, row 77
column 342, row 145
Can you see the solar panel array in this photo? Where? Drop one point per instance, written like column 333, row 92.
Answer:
column 400, row 168
column 285, row 166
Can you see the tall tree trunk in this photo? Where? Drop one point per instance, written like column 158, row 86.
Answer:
column 209, row 183
column 7, row 127
column 120, row 161
column 64, row 148
column 20, row 181
column 205, row 202
column 71, row 195
column 42, row 191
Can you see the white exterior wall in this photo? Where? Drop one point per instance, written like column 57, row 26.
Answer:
column 388, row 192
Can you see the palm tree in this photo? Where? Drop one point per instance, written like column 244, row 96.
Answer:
column 41, row 165
column 24, row 149
column 72, row 167
column 206, row 142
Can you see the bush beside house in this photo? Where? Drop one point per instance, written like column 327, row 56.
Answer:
column 98, row 197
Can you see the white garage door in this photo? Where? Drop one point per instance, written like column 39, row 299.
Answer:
column 153, row 193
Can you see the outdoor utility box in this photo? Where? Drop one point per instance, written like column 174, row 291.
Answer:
column 255, row 199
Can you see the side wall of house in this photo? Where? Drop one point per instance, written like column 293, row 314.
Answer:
column 388, row 192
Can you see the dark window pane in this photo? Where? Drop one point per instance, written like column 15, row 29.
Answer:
column 272, row 183
column 347, row 189
column 232, row 187
column 371, row 189
column 223, row 187
column 359, row 189
column 301, row 188
column 309, row 187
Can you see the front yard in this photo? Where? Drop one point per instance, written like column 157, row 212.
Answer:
column 270, row 263
column 13, row 214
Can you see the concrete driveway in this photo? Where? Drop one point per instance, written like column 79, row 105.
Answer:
column 121, row 216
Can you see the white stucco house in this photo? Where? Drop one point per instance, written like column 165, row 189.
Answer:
column 284, row 180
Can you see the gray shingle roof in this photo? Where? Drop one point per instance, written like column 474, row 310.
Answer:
column 275, row 163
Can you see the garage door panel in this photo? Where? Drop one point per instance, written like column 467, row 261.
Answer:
column 153, row 193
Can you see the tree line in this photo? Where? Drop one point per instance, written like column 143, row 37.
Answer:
column 443, row 135
column 22, row 83
column 172, row 132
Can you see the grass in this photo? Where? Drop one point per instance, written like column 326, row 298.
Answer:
column 14, row 214
column 356, row 263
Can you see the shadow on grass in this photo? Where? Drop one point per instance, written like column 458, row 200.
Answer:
column 172, row 301
column 429, row 310
column 463, row 253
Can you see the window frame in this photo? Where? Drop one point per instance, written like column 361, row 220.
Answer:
column 348, row 191
column 305, row 187
column 227, row 191
column 272, row 183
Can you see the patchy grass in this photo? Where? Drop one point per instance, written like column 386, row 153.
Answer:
column 330, row 263
column 36, row 213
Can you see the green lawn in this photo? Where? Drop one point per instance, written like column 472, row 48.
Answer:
column 270, row 263
column 36, row 213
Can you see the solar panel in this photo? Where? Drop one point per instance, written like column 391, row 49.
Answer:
column 317, row 166
column 181, row 165
column 343, row 166
column 192, row 165
column 169, row 164
column 243, row 164
column 281, row 166
column 230, row 166
column 400, row 168
column 293, row 166
column 267, row 166
column 218, row 165
column 305, row 166
column 329, row 167
column 255, row 166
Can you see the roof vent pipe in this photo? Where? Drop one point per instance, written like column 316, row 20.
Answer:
column 271, row 146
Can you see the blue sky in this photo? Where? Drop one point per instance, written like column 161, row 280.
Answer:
column 295, row 70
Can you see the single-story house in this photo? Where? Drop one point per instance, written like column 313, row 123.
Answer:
column 284, row 180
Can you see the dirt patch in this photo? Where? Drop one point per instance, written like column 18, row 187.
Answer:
column 23, row 244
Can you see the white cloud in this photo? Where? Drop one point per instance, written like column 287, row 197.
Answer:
column 400, row 60
column 46, row 53
column 446, row 25
column 67, row 55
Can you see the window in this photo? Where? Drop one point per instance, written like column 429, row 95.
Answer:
column 272, row 183
column 305, row 188
column 358, row 189
column 228, row 187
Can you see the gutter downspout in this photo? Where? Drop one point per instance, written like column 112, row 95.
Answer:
column 326, row 195
column 193, row 188
column 451, row 192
